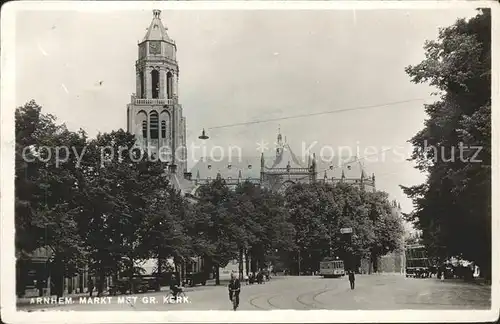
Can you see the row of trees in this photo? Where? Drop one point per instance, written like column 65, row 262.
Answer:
column 107, row 211
column 453, row 206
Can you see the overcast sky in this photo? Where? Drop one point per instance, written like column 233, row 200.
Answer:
column 240, row 66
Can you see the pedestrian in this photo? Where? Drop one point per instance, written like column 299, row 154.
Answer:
column 351, row 279
column 90, row 286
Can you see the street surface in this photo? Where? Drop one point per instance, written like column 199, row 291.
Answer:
column 372, row 292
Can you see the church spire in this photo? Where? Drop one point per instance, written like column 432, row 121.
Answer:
column 156, row 30
column 279, row 143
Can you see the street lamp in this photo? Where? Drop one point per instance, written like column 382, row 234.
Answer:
column 203, row 136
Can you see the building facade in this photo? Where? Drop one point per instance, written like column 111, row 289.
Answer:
column 154, row 114
column 155, row 117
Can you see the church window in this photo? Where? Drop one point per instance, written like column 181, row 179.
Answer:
column 229, row 178
column 249, row 166
column 331, row 167
column 153, row 125
column 155, row 83
column 229, row 166
column 163, row 129
column 170, row 85
column 141, row 77
column 144, row 129
column 209, row 166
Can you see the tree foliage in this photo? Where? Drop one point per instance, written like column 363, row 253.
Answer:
column 319, row 211
column 454, row 147
column 105, row 204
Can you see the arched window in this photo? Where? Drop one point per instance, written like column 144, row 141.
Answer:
column 153, row 125
column 155, row 83
column 144, row 129
column 141, row 77
column 163, row 129
column 170, row 85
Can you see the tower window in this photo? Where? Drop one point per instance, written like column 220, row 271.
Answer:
column 170, row 85
column 163, row 129
column 153, row 125
column 141, row 76
column 155, row 83
column 144, row 129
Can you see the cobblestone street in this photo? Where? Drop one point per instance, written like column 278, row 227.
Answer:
column 372, row 292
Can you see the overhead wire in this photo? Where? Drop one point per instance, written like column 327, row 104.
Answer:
column 316, row 114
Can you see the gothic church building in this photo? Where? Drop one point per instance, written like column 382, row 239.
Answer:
column 155, row 117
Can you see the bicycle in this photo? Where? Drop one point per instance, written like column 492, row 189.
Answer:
column 181, row 293
column 233, row 299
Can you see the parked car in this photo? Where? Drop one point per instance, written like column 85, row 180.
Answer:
column 138, row 284
column 195, row 278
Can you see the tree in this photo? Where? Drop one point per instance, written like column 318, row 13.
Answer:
column 164, row 228
column 261, row 224
column 214, row 225
column 319, row 211
column 46, row 155
column 387, row 226
column 117, row 181
column 455, row 200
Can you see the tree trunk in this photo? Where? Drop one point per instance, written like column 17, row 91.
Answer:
column 131, row 281
column 247, row 263
column 100, row 286
column 182, row 274
column 373, row 262
column 58, row 277
column 240, row 264
column 159, row 264
column 253, row 263
column 217, row 275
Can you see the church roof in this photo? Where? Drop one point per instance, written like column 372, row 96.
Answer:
column 249, row 167
column 156, row 30
column 334, row 167
column 287, row 157
column 234, row 167
column 330, row 167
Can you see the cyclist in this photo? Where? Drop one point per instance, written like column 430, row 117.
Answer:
column 234, row 287
column 174, row 286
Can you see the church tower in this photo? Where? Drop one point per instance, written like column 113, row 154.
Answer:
column 154, row 114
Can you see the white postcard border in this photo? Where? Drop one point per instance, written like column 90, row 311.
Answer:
column 8, row 105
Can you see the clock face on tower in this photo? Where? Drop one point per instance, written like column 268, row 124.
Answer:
column 154, row 48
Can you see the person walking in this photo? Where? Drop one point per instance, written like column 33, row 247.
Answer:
column 351, row 279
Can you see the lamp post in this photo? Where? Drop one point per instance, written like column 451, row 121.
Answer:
column 203, row 136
